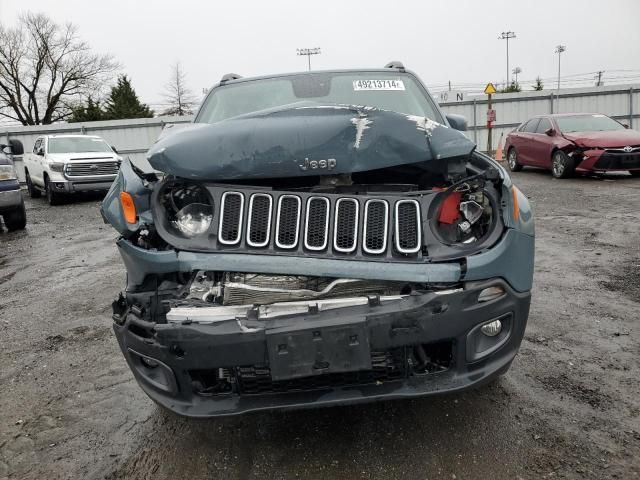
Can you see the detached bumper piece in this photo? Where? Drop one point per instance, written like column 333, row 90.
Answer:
column 420, row 344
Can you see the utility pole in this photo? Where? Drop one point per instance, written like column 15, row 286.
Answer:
column 308, row 52
column 506, row 36
column 599, row 78
column 559, row 50
column 516, row 71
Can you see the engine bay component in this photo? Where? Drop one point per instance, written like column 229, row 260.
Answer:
column 230, row 288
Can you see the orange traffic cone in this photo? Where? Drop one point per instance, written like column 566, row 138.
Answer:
column 498, row 156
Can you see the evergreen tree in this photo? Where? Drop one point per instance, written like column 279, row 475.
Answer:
column 124, row 103
column 514, row 87
column 91, row 112
column 538, row 85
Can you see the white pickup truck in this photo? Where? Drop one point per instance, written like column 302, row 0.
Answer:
column 64, row 164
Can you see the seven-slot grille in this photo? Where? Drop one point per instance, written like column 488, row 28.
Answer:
column 319, row 223
column 91, row 169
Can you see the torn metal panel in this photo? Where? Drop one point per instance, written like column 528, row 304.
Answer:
column 305, row 140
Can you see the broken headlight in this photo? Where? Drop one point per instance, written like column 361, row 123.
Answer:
column 466, row 213
column 189, row 208
column 194, row 219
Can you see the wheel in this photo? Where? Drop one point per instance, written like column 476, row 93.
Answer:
column 54, row 198
column 17, row 219
column 33, row 191
column 512, row 160
column 562, row 165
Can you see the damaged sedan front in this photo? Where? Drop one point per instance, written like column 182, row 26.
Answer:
column 317, row 239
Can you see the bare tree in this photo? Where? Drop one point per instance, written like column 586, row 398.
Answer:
column 45, row 69
column 179, row 97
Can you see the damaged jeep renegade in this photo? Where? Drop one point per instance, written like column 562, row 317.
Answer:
column 315, row 239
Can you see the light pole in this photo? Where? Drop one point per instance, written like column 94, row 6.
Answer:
column 516, row 71
column 559, row 50
column 506, row 36
column 308, row 52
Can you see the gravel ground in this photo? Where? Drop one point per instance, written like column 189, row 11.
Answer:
column 568, row 408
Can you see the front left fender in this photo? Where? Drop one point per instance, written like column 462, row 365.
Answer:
column 127, row 181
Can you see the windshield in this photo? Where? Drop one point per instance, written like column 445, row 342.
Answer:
column 78, row 145
column 385, row 90
column 588, row 123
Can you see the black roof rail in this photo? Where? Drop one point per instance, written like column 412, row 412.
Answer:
column 230, row 76
column 395, row 64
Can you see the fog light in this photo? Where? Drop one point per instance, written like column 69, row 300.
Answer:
column 490, row 293
column 492, row 329
column 148, row 362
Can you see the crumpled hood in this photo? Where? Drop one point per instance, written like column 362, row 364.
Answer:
column 305, row 140
column 613, row 139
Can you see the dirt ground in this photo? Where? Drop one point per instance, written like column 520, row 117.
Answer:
column 568, row 408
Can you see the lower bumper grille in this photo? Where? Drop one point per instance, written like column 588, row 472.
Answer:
column 618, row 161
column 387, row 366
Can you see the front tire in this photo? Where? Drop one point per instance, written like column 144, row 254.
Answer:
column 512, row 160
column 16, row 220
column 562, row 165
column 54, row 198
column 31, row 188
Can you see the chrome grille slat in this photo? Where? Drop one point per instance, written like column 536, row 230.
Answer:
column 316, row 224
column 345, row 229
column 407, row 227
column 91, row 169
column 376, row 226
column 259, row 220
column 288, row 221
column 231, row 210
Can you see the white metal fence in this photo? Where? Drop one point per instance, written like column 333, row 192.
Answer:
column 133, row 138
column 621, row 102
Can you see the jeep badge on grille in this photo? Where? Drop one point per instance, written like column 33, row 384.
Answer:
column 328, row 164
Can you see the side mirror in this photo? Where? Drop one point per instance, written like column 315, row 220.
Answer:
column 550, row 131
column 40, row 152
column 115, row 150
column 457, row 122
column 16, row 147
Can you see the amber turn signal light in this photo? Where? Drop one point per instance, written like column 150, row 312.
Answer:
column 516, row 207
column 128, row 207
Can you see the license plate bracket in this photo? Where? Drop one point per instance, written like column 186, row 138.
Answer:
column 306, row 351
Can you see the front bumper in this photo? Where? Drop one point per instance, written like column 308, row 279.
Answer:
column 606, row 161
column 85, row 185
column 186, row 352
column 10, row 196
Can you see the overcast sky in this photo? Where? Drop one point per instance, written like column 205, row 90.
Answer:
column 441, row 40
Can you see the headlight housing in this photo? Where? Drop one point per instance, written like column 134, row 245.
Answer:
column 56, row 167
column 194, row 219
column 189, row 208
column 466, row 214
column 8, row 172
